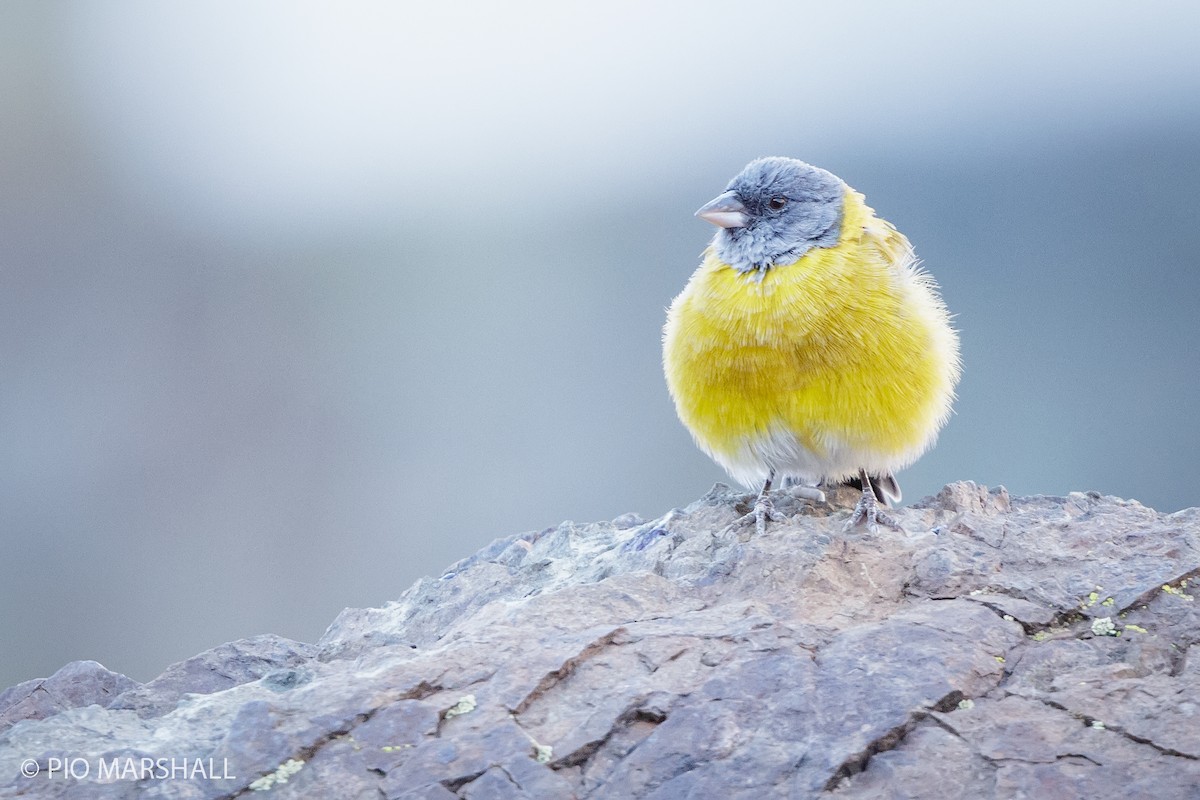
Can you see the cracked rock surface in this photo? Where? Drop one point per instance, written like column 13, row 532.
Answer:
column 1001, row 647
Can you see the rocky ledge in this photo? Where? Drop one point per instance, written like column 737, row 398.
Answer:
column 1000, row 647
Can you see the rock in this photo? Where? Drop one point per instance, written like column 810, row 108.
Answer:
column 679, row 658
column 277, row 659
column 80, row 683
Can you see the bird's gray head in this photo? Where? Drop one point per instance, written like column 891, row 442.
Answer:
column 773, row 212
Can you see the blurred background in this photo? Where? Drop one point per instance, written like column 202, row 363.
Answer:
column 300, row 301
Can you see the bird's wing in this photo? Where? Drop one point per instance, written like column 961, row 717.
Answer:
column 891, row 243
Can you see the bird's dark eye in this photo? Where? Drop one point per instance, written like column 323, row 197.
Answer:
column 777, row 203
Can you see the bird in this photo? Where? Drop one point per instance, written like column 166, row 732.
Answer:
column 810, row 347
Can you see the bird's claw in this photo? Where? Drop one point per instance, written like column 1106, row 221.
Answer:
column 867, row 510
column 763, row 513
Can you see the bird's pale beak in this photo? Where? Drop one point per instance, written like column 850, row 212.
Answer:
column 725, row 211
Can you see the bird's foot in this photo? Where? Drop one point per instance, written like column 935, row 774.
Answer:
column 868, row 511
column 763, row 513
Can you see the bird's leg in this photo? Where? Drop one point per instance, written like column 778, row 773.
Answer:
column 763, row 511
column 867, row 510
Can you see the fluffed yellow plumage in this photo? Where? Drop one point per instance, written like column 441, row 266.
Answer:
column 838, row 364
